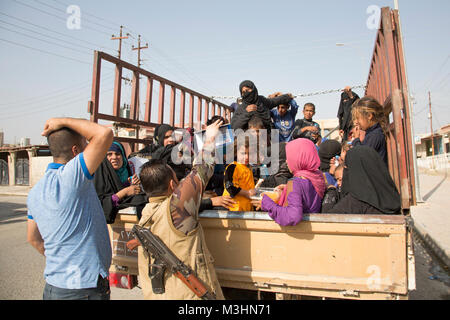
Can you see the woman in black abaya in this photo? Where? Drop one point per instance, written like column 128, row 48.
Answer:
column 116, row 187
column 367, row 187
column 252, row 104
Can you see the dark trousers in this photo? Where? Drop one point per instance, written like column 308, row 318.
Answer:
column 101, row 292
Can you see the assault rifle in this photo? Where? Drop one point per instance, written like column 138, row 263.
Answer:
column 165, row 258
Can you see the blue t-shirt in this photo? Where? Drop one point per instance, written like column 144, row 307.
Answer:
column 70, row 219
column 285, row 124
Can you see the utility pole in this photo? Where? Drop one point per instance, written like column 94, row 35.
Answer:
column 120, row 37
column 431, row 126
column 139, row 48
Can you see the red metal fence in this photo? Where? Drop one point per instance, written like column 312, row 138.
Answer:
column 387, row 83
column 206, row 107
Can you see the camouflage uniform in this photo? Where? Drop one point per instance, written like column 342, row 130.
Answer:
column 175, row 220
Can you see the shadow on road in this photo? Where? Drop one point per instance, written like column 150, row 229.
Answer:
column 9, row 211
column 430, row 193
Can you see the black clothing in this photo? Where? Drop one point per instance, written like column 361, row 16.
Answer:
column 165, row 154
column 283, row 174
column 374, row 138
column 241, row 117
column 345, row 113
column 347, row 205
column 367, row 179
column 160, row 133
column 328, row 150
column 228, row 179
column 302, row 123
column 107, row 183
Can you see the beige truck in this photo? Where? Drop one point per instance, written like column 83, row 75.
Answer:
column 325, row 255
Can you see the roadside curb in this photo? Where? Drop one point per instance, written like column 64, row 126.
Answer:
column 431, row 244
column 20, row 194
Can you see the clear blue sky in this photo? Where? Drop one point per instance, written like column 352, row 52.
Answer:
column 211, row 46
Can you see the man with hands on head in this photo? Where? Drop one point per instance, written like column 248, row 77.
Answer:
column 65, row 218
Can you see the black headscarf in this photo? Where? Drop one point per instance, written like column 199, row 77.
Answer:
column 328, row 149
column 160, row 133
column 107, row 183
column 367, row 179
column 249, row 98
column 283, row 174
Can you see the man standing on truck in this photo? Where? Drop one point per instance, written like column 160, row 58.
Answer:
column 65, row 218
column 172, row 215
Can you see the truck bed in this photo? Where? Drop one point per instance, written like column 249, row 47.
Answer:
column 325, row 255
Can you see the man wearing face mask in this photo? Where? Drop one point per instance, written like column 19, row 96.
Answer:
column 254, row 104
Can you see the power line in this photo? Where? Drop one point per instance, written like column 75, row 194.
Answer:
column 89, row 14
column 84, row 19
column 12, row 24
column 51, row 53
column 50, row 42
column 40, row 99
column 60, row 33
column 58, row 17
column 23, row 114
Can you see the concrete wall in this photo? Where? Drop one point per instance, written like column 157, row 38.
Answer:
column 440, row 162
column 38, row 165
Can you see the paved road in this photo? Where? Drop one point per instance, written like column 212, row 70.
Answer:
column 21, row 266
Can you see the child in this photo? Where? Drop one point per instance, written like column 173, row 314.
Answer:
column 303, row 193
column 238, row 179
column 306, row 127
column 338, row 174
column 283, row 118
column 370, row 118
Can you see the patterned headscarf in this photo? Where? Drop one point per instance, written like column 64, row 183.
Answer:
column 122, row 172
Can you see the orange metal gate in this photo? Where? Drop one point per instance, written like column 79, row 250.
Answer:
column 206, row 107
column 387, row 83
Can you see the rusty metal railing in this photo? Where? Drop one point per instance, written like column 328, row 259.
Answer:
column 387, row 83
column 205, row 105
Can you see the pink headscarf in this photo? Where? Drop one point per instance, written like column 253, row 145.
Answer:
column 303, row 160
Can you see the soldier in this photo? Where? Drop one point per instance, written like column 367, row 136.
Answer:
column 172, row 215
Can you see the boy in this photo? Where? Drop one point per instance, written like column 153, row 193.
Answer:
column 283, row 118
column 306, row 127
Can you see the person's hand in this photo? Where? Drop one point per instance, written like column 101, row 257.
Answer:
column 51, row 125
column 341, row 133
column 134, row 180
column 223, row 201
column 212, row 130
column 257, row 204
column 251, row 192
column 133, row 190
column 274, row 95
column 290, row 95
column 356, row 131
column 333, row 162
column 251, row 108
column 280, row 188
column 310, row 128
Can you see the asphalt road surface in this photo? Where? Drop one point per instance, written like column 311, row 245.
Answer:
column 21, row 266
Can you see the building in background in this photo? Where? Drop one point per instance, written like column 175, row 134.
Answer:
column 424, row 149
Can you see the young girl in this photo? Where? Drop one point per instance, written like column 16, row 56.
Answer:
column 303, row 193
column 238, row 180
column 370, row 117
